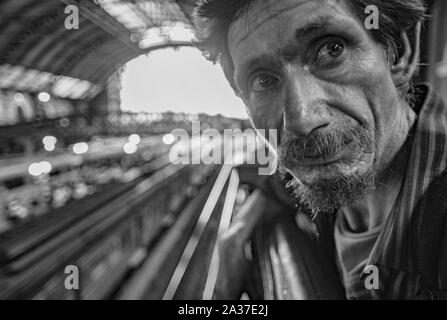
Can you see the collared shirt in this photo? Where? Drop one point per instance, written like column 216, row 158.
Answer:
column 396, row 250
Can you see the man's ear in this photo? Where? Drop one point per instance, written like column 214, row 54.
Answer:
column 407, row 63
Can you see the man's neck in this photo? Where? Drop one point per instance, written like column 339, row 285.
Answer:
column 372, row 211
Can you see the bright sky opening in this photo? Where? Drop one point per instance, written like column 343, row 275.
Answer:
column 180, row 81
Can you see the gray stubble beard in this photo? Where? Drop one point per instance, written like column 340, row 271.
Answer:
column 329, row 194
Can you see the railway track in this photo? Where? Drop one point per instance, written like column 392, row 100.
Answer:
column 153, row 238
column 105, row 232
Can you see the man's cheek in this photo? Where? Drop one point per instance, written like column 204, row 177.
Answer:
column 266, row 116
column 374, row 76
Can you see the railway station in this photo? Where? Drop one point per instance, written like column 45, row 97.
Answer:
column 103, row 202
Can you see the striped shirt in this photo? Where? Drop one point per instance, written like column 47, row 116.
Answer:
column 397, row 250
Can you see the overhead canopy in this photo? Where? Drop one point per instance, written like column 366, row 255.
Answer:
column 33, row 37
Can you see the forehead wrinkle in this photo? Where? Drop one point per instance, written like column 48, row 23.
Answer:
column 320, row 24
column 322, row 21
column 289, row 51
column 268, row 18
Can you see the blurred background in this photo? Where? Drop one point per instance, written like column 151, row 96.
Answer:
column 86, row 112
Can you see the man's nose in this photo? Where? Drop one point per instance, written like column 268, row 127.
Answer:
column 304, row 111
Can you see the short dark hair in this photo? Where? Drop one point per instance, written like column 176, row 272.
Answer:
column 213, row 18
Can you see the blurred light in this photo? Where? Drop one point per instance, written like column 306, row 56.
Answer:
column 39, row 168
column 168, row 139
column 19, row 97
column 134, row 139
column 64, row 122
column 49, row 147
column 48, row 140
column 130, row 148
column 135, row 37
column 34, row 169
column 125, row 12
column 80, row 147
column 67, row 87
column 18, row 210
column 32, row 80
column 43, row 97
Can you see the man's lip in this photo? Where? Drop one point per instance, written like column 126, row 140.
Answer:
column 320, row 162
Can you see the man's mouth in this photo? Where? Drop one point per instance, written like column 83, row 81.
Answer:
column 326, row 161
column 320, row 162
column 325, row 153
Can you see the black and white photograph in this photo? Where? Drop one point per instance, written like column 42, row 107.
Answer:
column 223, row 154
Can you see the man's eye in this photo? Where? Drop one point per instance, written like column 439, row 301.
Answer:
column 264, row 82
column 330, row 51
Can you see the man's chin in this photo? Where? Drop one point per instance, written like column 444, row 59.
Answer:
column 326, row 190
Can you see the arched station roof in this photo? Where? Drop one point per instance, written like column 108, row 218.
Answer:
column 34, row 39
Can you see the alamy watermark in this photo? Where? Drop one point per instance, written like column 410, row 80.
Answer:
column 371, row 281
column 233, row 147
column 72, row 20
column 372, row 20
column 72, row 279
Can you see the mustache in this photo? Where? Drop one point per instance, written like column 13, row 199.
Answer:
column 325, row 145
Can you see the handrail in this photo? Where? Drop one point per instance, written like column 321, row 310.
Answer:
column 198, row 231
column 151, row 279
column 227, row 214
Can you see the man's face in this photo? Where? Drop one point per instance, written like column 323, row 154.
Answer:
column 309, row 69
